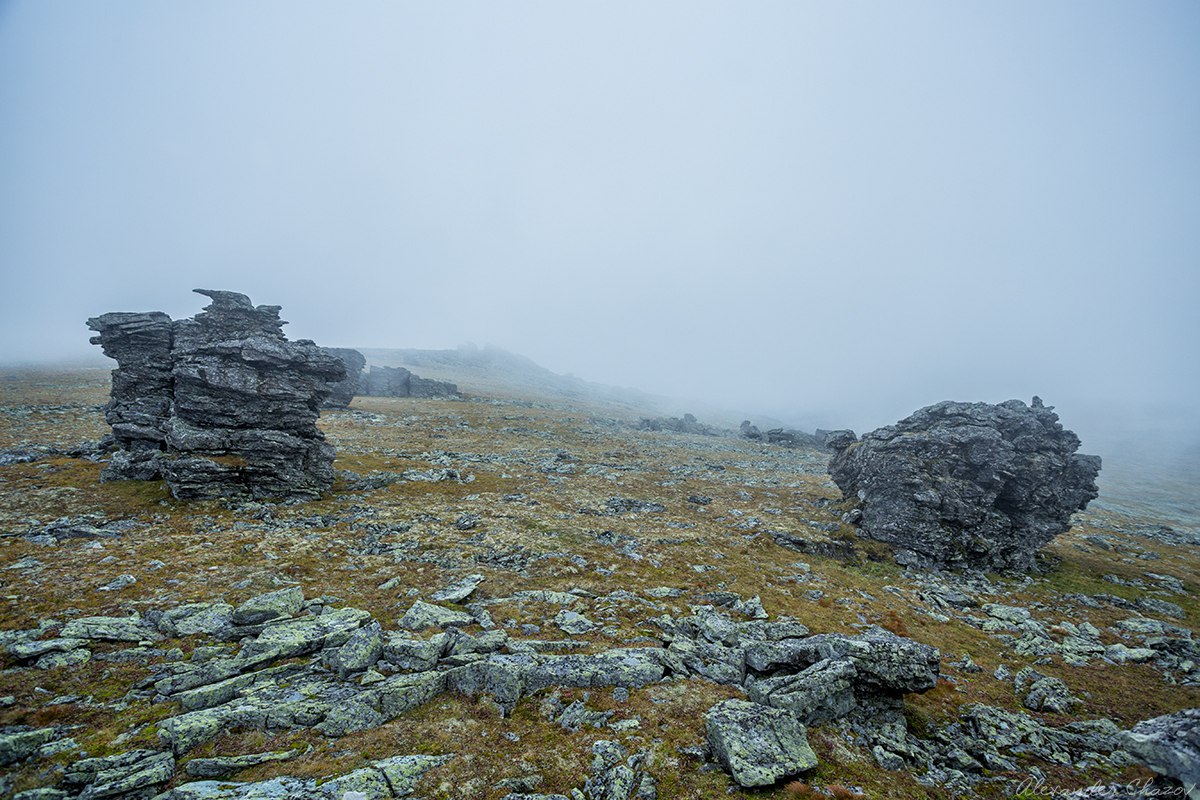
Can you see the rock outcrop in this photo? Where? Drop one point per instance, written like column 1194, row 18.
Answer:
column 966, row 484
column 343, row 391
column 221, row 405
column 399, row 382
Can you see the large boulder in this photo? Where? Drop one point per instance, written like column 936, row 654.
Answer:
column 1169, row 745
column 967, row 484
column 757, row 745
column 343, row 391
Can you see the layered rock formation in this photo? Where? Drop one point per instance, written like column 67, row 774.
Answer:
column 966, row 484
column 140, row 403
column 343, row 391
column 221, row 405
column 399, row 382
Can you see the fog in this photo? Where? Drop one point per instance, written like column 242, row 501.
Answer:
column 831, row 213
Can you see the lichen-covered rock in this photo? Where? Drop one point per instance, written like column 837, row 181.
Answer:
column 18, row 745
column 967, row 484
column 266, row 607
column 120, row 774
column 757, row 745
column 1169, row 745
column 361, row 650
column 222, row 405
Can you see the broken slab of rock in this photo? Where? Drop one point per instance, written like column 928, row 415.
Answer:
column 757, row 745
column 1169, row 745
column 398, row 776
column 221, row 405
column 967, row 484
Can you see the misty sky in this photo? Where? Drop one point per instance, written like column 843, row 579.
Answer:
column 834, row 210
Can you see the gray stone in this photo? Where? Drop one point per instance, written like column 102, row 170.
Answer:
column 272, row 605
column 110, row 629
column 1050, row 694
column 426, row 615
column 120, row 774
column 414, row 655
column 209, row 619
column 221, row 404
column 303, row 635
column 819, row 693
column 629, row 667
column 20, row 745
column 573, row 622
column 460, row 590
column 221, row 766
column 361, row 650
column 341, row 392
column 757, row 745
column 967, row 484
column 1169, row 745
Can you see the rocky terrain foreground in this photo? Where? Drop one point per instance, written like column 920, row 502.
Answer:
column 516, row 596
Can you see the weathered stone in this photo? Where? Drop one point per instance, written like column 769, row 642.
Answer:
column 197, row 618
column 302, row 635
column 819, row 693
column 757, row 745
column 615, row 775
column 894, row 663
column 110, row 629
column 343, row 391
column 460, row 590
column 414, row 655
column 1050, row 694
column 1169, row 745
column 141, row 400
column 361, row 650
column 272, row 605
column 20, row 745
column 967, row 484
column 426, row 615
column 628, row 667
column 120, row 774
column 221, row 404
column 573, row 622
column 220, row 766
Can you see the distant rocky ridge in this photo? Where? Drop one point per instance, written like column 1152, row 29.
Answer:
column 221, row 405
column 966, row 484
column 399, row 382
column 380, row 381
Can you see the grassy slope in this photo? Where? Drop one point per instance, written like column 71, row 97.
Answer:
column 212, row 552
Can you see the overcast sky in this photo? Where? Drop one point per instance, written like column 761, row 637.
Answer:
column 838, row 211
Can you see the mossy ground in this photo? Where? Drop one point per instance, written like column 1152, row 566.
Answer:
column 563, row 463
